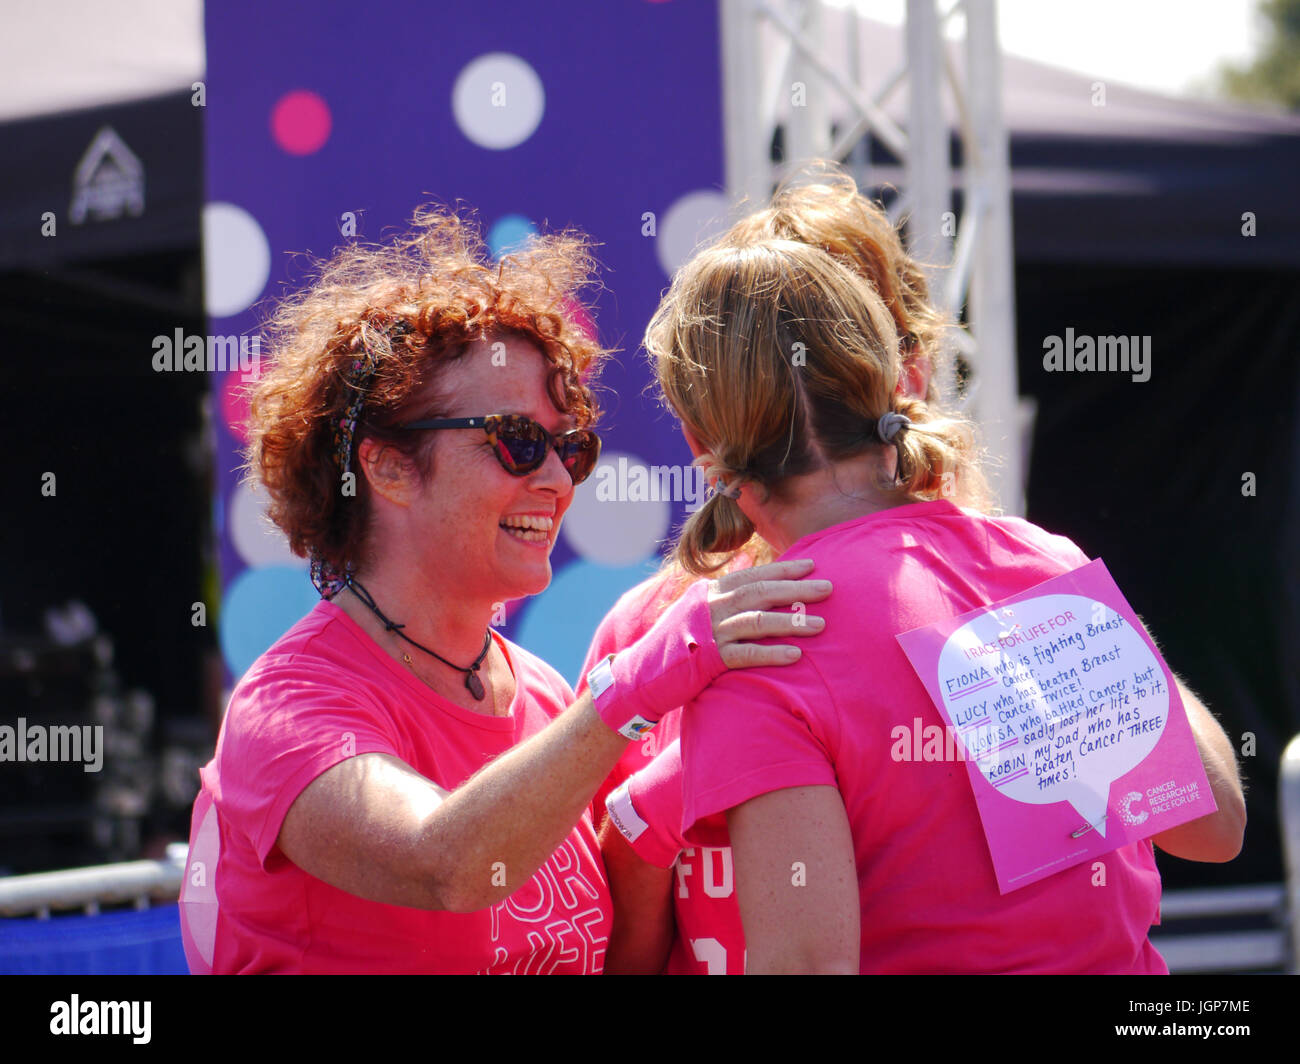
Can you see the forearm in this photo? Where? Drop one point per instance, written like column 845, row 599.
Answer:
column 376, row 827
column 491, row 834
column 1217, row 836
column 642, row 935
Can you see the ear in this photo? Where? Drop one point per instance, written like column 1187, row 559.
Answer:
column 387, row 471
column 696, row 447
column 914, row 380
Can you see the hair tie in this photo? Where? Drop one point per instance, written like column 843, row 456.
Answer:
column 730, row 491
column 890, row 425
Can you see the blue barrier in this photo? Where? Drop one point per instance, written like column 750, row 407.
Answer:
column 133, row 942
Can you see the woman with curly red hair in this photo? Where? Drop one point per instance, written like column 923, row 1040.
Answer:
column 396, row 787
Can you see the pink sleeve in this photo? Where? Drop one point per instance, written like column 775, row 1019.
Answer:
column 632, row 616
column 754, row 731
column 647, row 809
column 292, row 726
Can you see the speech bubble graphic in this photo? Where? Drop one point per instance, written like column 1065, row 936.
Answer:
column 1054, row 698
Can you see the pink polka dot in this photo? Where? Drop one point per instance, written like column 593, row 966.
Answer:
column 233, row 400
column 301, row 122
column 580, row 318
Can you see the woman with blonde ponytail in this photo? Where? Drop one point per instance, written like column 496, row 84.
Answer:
column 819, row 206
column 783, row 365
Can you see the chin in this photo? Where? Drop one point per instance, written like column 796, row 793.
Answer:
column 532, row 583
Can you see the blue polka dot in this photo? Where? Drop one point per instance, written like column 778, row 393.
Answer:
column 260, row 605
column 509, row 233
column 558, row 625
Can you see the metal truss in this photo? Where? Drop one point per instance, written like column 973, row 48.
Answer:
column 784, row 78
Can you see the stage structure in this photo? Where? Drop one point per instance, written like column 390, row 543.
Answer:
column 790, row 75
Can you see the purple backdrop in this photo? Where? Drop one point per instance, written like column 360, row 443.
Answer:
column 608, row 111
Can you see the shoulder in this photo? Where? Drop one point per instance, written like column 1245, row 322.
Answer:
column 537, row 681
column 939, row 528
column 320, row 668
column 1015, row 535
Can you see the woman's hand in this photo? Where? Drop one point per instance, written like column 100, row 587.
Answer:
column 701, row 635
column 742, row 606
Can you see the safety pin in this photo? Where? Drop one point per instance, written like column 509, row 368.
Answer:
column 1086, row 828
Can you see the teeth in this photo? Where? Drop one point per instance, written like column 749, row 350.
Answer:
column 536, row 524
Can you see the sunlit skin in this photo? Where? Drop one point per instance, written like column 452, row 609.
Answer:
column 441, row 562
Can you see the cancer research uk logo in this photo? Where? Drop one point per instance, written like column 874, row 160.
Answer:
column 59, row 743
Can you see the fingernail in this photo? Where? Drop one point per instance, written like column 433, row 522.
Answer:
column 817, row 622
column 823, row 585
column 791, row 653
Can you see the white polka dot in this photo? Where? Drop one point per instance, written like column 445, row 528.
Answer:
column 236, row 259
column 622, row 513
column 691, row 221
column 498, row 101
column 258, row 541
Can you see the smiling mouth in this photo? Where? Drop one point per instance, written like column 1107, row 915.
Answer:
column 529, row 529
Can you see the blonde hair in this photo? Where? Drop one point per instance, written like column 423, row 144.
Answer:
column 820, row 205
column 780, row 359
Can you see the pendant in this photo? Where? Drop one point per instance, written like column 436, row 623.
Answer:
column 474, row 684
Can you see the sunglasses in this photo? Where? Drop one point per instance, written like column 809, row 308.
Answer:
column 520, row 443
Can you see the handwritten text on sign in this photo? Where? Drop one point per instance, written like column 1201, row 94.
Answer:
column 1054, row 696
column 1056, row 706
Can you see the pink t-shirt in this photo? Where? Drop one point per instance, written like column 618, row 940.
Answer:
column 929, row 899
column 632, row 616
column 647, row 810
column 326, row 692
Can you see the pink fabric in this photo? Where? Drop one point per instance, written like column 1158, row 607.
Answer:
column 710, row 939
column 669, row 665
column 632, row 616
column 929, row 898
column 326, row 692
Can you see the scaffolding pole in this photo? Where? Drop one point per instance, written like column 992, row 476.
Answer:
column 780, row 72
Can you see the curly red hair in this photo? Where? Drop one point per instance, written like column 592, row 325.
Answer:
column 413, row 304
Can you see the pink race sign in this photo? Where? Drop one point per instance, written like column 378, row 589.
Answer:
column 1068, row 719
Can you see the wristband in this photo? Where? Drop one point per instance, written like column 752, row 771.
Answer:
column 664, row 669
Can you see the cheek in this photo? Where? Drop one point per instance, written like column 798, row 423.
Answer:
column 562, row 507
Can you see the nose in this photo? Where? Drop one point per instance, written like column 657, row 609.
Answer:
column 552, row 476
